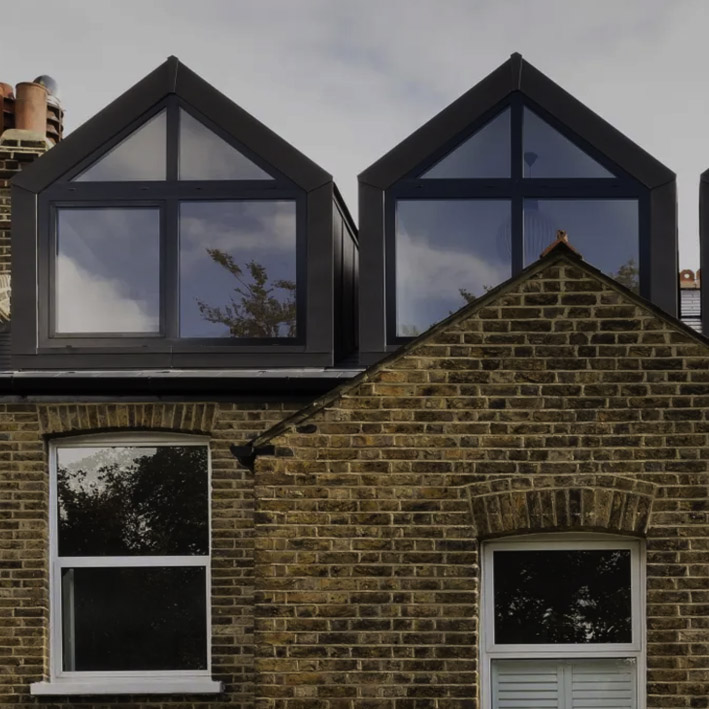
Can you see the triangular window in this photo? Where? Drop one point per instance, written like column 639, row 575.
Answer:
column 203, row 155
column 547, row 153
column 140, row 156
column 486, row 153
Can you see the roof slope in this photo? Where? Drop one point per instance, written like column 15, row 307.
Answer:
column 171, row 77
column 516, row 74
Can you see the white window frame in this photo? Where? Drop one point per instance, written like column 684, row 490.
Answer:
column 635, row 651
column 65, row 682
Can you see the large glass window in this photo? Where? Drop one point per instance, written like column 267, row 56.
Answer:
column 448, row 252
column 175, row 233
column 562, row 622
column 483, row 209
column 130, row 557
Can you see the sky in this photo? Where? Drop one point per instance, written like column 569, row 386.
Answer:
column 344, row 82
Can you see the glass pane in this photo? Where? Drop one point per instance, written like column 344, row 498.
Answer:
column 604, row 231
column 485, row 154
column 107, row 270
column 575, row 596
column 140, row 156
column 237, row 269
column 203, row 155
column 547, row 153
column 448, row 252
column 131, row 500
column 121, row 619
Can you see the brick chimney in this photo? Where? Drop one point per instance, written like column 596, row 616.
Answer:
column 31, row 122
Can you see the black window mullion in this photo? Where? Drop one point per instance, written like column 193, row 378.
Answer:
column 517, row 206
column 169, row 269
column 173, row 137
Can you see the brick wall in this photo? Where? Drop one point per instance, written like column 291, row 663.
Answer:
column 24, row 428
column 555, row 403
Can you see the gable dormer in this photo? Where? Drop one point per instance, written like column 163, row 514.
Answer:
column 173, row 229
column 475, row 194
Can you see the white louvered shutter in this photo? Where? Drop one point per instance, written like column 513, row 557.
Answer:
column 564, row 684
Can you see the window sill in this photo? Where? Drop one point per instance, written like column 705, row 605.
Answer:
column 192, row 685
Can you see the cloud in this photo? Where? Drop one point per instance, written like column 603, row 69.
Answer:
column 86, row 302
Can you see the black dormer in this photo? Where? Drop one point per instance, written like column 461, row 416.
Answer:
column 173, row 229
column 475, row 194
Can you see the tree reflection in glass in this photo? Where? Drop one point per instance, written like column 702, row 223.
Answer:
column 130, row 500
column 574, row 596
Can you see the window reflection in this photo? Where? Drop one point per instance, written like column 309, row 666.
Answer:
column 448, row 252
column 134, row 618
column 485, row 154
column 588, row 602
column 605, row 232
column 548, row 153
column 107, row 270
column 140, row 156
column 203, row 155
column 130, row 500
column 238, row 269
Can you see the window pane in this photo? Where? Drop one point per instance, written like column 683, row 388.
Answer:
column 547, row 153
column 237, row 269
column 125, row 619
column 605, row 232
column 131, row 500
column 203, row 155
column 107, row 270
column 448, row 252
column 562, row 596
column 485, row 154
column 140, row 156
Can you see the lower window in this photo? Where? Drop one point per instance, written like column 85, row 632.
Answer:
column 562, row 624
column 129, row 565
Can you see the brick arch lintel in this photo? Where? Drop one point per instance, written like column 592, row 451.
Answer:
column 611, row 503
column 76, row 419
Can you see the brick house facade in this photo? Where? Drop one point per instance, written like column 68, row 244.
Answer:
column 353, row 529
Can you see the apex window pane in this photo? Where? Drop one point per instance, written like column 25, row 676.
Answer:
column 140, row 156
column 604, row 231
column 107, row 270
column 123, row 619
column 486, row 153
column 203, row 155
column 448, row 252
column 588, row 600
column 133, row 500
column 238, row 269
column 548, row 153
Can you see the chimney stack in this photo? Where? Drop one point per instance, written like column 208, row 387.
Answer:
column 34, row 106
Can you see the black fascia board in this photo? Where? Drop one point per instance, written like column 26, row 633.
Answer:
column 171, row 77
column 203, row 388
column 516, row 74
column 704, row 247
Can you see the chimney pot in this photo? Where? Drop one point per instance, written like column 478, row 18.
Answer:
column 31, row 107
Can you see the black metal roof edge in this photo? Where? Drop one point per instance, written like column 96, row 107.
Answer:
column 560, row 252
column 171, row 77
column 202, row 387
column 342, row 205
column 516, row 74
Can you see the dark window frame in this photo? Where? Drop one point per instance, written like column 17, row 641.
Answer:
column 515, row 189
column 167, row 195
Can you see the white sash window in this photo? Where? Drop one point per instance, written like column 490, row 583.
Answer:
column 563, row 623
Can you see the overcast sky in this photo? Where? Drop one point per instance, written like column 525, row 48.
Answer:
column 346, row 80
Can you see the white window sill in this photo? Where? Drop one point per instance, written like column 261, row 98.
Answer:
column 191, row 685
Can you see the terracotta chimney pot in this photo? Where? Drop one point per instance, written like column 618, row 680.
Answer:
column 31, row 107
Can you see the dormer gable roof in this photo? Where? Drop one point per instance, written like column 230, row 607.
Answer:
column 516, row 75
column 172, row 77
